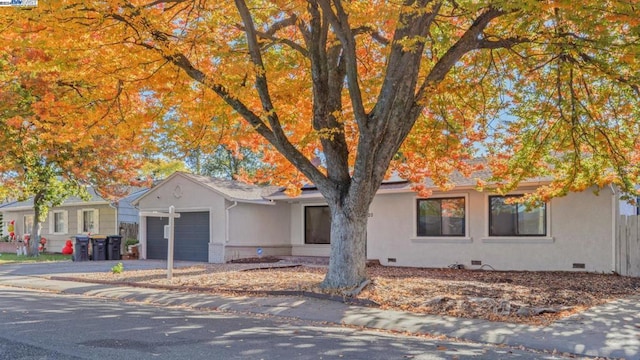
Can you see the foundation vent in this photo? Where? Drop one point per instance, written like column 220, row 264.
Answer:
column 391, row 260
column 476, row 262
column 578, row 266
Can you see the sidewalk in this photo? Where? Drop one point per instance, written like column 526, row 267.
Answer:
column 611, row 330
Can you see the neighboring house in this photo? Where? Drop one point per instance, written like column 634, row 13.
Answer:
column 223, row 220
column 74, row 216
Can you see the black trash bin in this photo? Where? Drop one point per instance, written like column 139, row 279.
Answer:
column 99, row 248
column 81, row 251
column 113, row 247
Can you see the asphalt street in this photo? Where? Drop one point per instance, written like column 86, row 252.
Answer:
column 43, row 325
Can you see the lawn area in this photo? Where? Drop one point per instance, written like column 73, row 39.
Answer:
column 511, row 296
column 10, row 258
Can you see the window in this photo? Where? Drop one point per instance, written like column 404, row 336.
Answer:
column 28, row 224
column 88, row 221
column 514, row 219
column 58, row 222
column 317, row 225
column 441, row 217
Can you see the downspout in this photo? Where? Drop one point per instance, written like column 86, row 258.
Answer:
column 614, row 227
column 115, row 207
column 226, row 224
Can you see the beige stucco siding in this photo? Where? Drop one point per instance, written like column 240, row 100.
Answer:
column 253, row 226
column 259, row 225
column 298, row 247
column 579, row 230
column 181, row 193
column 186, row 196
column 249, row 225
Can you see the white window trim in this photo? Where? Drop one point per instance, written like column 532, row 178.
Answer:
column 65, row 229
column 548, row 239
column 80, row 215
column 442, row 239
column 302, row 227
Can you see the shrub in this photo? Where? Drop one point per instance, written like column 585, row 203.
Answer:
column 118, row 268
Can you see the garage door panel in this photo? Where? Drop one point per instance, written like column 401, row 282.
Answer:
column 156, row 243
column 191, row 237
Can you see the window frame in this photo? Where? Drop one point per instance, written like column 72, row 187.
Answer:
column 96, row 228
column 545, row 218
column 304, row 225
column 65, row 223
column 465, row 223
column 27, row 230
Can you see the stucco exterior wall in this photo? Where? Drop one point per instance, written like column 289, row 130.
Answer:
column 253, row 226
column 579, row 231
column 298, row 247
column 186, row 195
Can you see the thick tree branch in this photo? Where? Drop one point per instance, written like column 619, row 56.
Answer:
column 339, row 21
column 280, row 139
column 327, row 73
column 272, row 133
column 469, row 41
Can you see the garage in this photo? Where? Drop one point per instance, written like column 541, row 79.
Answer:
column 191, row 237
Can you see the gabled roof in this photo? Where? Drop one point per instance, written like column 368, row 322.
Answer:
column 231, row 190
column 397, row 184
column 94, row 199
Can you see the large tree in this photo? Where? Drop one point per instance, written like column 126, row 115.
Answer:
column 56, row 138
column 368, row 86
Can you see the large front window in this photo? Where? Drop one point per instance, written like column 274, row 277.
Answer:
column 513, row 219
column 317, row 225
column 441, row 217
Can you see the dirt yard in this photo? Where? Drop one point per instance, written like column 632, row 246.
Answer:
column 522, row 297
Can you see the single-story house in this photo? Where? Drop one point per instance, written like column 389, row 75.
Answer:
column 223, row 220
column 74, row 216
column 219, row 219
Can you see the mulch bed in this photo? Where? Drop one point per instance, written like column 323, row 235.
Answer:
column 512, row 296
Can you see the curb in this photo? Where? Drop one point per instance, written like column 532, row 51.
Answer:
column 298, row 293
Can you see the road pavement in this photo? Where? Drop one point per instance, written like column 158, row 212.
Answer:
column 41, row 325
column 611, row 330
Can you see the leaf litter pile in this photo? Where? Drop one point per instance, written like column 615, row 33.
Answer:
column 512, row 296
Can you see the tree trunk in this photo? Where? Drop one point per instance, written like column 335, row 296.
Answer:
column 34, row 238
column 347, row 262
